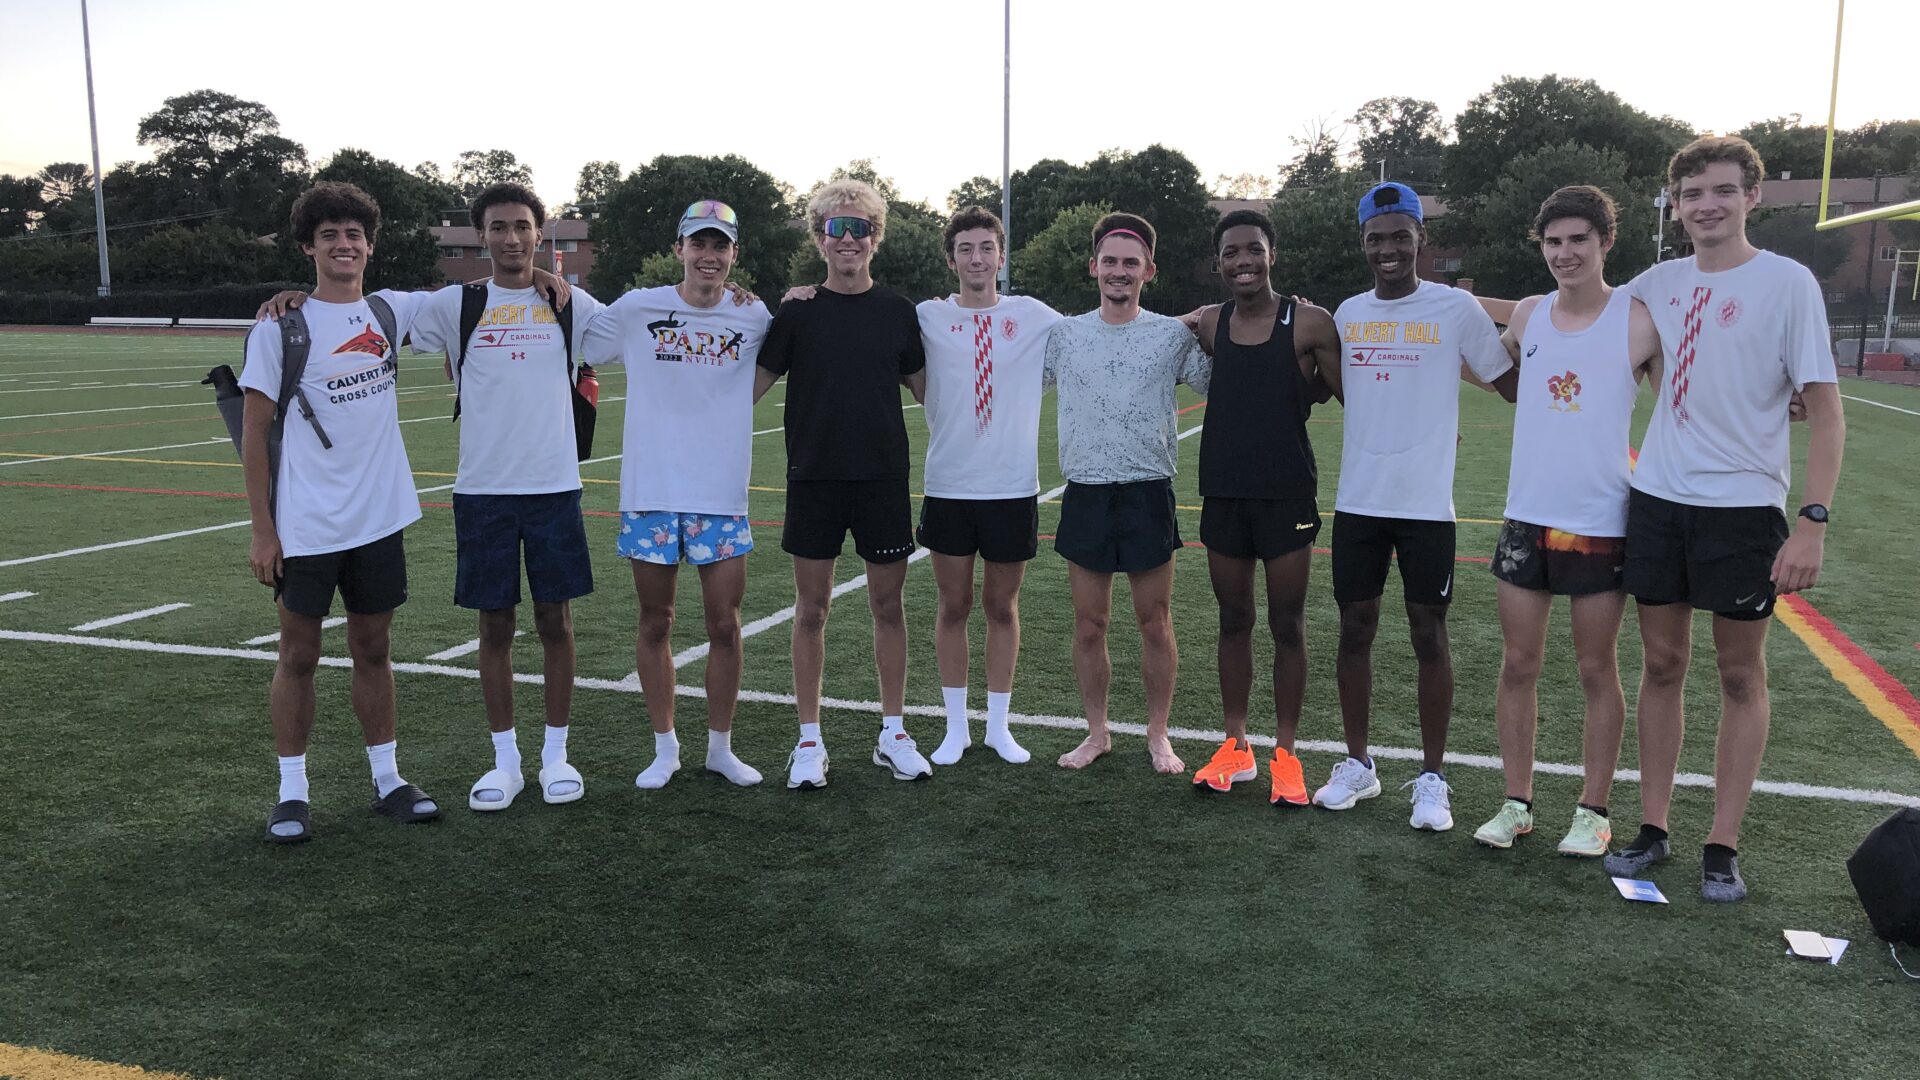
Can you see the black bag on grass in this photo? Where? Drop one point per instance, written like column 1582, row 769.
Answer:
column 1886, row 873
column 294, row 346
column 586, row 386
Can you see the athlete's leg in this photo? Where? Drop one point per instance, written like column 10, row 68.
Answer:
column 1287, row 619
column 1434, row 656
column 1000, row 597
column 290, row 701
column 496, row 665
column 1152, row 592
column 953, row 578
column 1516, row 704
column 723, row 585
column 554, row 624
column 1092, row 667
column 1740, row 646
column 654, row 585
column 1666, row 636
column 369, row 643
column 812, row 597
column 1596, row 632
column 1353, row 671
column 885, row 582
column 1233, row 591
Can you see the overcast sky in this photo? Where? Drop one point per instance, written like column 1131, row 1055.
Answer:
column 800, row 88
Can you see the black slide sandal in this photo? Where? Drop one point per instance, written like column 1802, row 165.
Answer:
column 399, row 805
column 295, row 810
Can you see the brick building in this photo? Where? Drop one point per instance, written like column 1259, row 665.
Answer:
column 464, row 258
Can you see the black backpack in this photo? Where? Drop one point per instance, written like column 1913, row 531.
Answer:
column 473, row 305
column 295, row 344
column 1886, row 873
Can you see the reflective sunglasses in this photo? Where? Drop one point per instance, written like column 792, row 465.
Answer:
column 711, row 208
column 857, row 227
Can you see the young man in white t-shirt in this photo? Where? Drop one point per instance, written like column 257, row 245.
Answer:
column 1742, row 329
column 1407, row 343
column 330, row 516
column 1118, row 368
column 518, row 485
column 1581, row 351
column 985, row 354
column 687, row 455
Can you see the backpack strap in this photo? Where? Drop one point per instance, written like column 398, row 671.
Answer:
column 473, row 304
column 389, row 329
column 564, row 316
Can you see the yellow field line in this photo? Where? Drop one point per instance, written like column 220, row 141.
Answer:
column 1849, row 671
column 21, row 1063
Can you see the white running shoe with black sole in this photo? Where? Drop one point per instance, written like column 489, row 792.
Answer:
column 807, row 766
column 897, row 753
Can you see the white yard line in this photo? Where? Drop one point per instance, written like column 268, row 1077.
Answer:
column 268, row 639
column 1069, row 723
column 116, row 620
column 1880, row 404
column 16, row 596
column 123, row 408
column 111, row 453
column 465, row 648
column 769, row 431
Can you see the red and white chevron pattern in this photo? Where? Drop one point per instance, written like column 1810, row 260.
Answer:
column 982, row 373
column 1689, row 342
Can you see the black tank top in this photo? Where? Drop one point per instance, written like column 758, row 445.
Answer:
column 1255, row 444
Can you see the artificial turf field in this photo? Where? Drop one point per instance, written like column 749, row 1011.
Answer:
column 994, row 921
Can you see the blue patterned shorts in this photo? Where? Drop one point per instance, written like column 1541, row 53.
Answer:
column 666, row 537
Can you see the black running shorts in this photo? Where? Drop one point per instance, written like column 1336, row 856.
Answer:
column 371, row 578
column 1562, row 563
column 1118, row 528
column 820, row 513
column 1715, row 558
column 998, row 530
column 1257, row 528
column 1364, row 547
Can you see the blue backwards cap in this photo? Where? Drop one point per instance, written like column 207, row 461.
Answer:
column 1390, row 198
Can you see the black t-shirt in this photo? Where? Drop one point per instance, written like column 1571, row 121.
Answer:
column 843, row 356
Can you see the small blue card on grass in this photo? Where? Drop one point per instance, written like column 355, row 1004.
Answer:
column 1644, row 891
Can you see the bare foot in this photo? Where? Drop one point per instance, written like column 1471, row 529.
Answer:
column 1165, row 761
column 1090, row 750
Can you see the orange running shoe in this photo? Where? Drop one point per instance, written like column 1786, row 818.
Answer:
column 1230, row 764
column 1289, row 784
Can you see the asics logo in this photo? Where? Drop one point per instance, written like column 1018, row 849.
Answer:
column 1305, row 525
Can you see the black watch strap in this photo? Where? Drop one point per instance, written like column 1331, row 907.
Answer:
column 1814, row 512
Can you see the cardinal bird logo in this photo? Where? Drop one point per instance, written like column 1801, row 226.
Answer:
column 367, row 341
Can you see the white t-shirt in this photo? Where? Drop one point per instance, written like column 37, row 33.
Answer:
column 361, row 489
column 688, row 443
column 516, row 399
column 984, row 368
column 1572, row 420
column 1738, row 343
column 1401, row 371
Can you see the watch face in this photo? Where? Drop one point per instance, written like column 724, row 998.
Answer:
column 1814, row 512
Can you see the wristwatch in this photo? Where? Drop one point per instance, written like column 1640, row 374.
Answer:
column 1815, row 513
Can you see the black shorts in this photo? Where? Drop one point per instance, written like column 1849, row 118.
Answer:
column 1118, row 528
column 490, row 530
column 820, row 513
column 998, row 530
column 372, row 578
column 1715, row 558
column 1364, row 547
column 1562, row 563
column 1257, row 528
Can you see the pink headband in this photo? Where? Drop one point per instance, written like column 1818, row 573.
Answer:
column 1127, row 232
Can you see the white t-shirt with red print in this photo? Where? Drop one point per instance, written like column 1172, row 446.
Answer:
column 984, row 374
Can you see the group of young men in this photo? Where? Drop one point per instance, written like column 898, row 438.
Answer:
column 1726, row 336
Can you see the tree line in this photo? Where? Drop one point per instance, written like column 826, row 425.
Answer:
column 210, row 206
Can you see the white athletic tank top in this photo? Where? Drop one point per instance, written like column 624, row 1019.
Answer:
column 1571, row 424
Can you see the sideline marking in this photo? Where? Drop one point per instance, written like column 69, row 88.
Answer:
column 26, row 1063
column 16, row 596
column 123, row 543
column 463, row 648
column 1395, row 753
column 1879, row 404
column 30, row 459
column 116, row 620
column 1884, row 696
column 269, row 639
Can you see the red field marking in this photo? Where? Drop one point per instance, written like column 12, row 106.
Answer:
column 127, row 490
column 107, row 427
column 1896, row 692
column 116, row 331
column 1190, row 408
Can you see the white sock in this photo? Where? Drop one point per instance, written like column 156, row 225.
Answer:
column 892, row 724
column 998, row 736
column 386, row 775
column 721, row 759
column 666, row 762
column 957, row 738
column 506, row 751
column 554, row 751
column 811, row 733
column 293, row 779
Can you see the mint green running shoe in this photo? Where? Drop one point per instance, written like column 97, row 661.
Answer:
column 1589, row 836
column 1513, row 821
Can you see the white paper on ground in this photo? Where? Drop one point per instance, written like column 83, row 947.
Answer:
column 1644, row 891
column 1835, row 947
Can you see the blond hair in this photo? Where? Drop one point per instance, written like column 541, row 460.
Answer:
column 844, row 194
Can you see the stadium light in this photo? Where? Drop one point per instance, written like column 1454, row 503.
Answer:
column 1006, row 144
column 93, row 125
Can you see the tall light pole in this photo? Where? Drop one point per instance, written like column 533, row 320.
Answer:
column 1006, row 141
column 1660, row 225
column 93, row 124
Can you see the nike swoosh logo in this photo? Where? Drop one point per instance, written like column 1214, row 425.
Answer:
column 1448, row 587
column 1745, row 600
column 1287, row 319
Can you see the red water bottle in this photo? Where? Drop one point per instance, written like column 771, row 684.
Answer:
column 589, row 387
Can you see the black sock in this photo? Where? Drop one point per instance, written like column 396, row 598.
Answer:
column 1528, row 803
column 1649, row 836
column 1601, row 810
column 1718, row 859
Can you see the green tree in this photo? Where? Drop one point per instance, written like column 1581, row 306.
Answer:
column 405, row 255
column 1241, row 186
column 1317, row 254
column 1316, row 160
column 666, row 269
column 1053, row 265
column 1407, row 133
column 1789, row 231
column 642, row 213
column 19, row 203
column 979, row 191
column 595, row 185
column 1785, row 145
column 1521, row 115
column 178, row 257
column 214, row 151
column 1500, row 258
column 476, row 169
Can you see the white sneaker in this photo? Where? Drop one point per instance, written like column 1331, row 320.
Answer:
column 807, row 766
column 1432, row 809
column 897, row 752
column 1351, row 781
